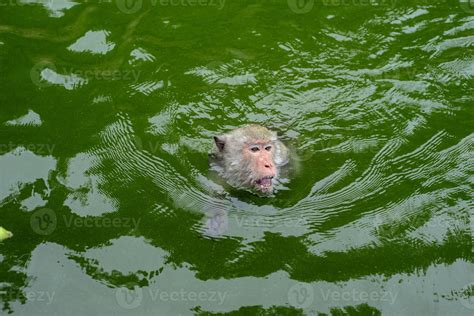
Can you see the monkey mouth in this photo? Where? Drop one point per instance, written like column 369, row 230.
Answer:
column 265, row 183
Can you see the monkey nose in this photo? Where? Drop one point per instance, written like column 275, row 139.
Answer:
column 268, row 165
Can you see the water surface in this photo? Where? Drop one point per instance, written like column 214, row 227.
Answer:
column 107, row 112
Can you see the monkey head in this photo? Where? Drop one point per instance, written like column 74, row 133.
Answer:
column 250, row 157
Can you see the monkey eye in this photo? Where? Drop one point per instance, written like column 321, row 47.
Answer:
column 254, row 149
column 268, row 148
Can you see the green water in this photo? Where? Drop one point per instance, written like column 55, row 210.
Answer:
column 107, row 112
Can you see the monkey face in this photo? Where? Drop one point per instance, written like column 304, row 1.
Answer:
column 261, row 164
column 250, row 157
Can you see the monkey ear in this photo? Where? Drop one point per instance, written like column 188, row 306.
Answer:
column 220, row 142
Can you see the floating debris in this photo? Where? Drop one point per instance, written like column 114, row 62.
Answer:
column 5, row 234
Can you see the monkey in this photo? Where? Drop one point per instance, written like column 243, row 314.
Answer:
column 250, row 157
